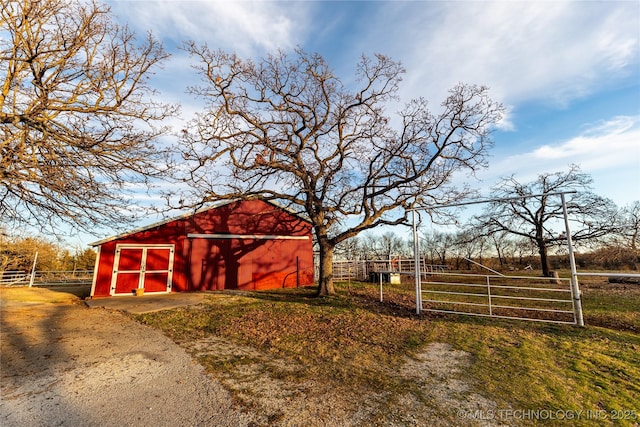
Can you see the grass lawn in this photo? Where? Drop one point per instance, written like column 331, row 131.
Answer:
column 352, row 341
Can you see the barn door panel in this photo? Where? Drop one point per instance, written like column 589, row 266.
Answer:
column 142, row 266
column 126, row 282
column 127, row 270
column 155, row 282
column 158, row 270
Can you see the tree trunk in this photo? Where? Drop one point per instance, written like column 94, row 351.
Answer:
column 544, row 259
column 325, row 281
column 500, row 255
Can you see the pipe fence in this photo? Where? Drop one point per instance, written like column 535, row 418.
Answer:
column 509, row 297
column 369, row 270
column 23, row 278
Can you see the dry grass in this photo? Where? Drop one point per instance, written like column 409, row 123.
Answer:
column 36, row 295
column 329, row 337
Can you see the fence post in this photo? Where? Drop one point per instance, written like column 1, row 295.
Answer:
column 577, row 297
column 416, row 261
column 33, row 269
column 489, row 295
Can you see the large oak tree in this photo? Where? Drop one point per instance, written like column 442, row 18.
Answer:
column 77, row 114
column 287, row 128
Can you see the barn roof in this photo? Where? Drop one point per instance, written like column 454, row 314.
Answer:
column 188, row 215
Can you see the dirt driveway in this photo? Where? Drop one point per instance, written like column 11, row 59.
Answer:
column 64, row 364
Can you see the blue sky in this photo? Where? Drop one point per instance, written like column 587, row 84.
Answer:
column 568, row 72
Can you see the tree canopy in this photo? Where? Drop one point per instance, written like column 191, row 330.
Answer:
column 288, row 128
column 77, row 115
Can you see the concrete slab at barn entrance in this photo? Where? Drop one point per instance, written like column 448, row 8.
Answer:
column 149, row 303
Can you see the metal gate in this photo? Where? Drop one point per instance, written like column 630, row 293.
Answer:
column 508, row 297
column 502, row 296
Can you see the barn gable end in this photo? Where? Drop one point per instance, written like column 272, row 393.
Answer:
column 248, row 244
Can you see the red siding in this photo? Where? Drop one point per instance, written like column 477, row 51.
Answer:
column 249, row 263
column 210, row 264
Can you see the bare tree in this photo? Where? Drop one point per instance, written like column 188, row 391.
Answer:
column 385, row 246
column 351, row 249
column 438, row 245
column 287, row 128
column 525, row 251
column 539, row 219
column 629, row 223
column 623, row 246
column 468, row 244
column 501, row 244
column 76, row 114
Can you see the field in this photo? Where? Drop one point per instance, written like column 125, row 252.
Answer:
column 395, row 366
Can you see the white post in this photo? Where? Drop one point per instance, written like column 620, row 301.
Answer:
column 577, row 296
column 416, row 262
column 33, row 269
column 489, row 295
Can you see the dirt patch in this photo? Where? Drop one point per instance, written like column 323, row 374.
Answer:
column 435, row 395
column 438, row 371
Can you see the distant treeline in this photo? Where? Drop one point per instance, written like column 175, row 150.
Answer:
column 17, row 254
column 459, row 252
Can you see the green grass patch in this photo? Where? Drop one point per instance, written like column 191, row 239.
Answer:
column 352, row 341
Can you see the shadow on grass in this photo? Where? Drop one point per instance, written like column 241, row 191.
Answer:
column 362, row 296
column 399, row 301
column 82, row 291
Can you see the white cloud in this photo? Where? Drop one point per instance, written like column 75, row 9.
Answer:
column 246, row 28
column 556, row 51
column 617, row 126
column 603, row 149
column 506, row 123
column 612, row 143
column 239, row 26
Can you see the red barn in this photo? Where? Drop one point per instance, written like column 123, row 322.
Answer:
column 246, row 244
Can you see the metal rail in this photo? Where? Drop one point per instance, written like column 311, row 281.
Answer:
column 444, row 297
column 635, row 275
column 43, row 277
column 531, row 319
column 363, row 269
